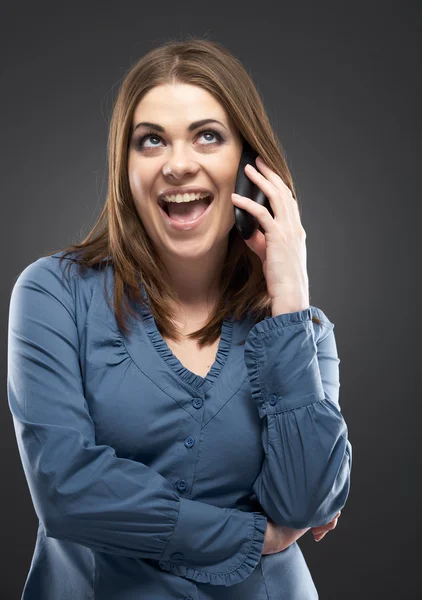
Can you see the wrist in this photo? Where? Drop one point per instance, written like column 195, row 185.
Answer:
column 279, row 307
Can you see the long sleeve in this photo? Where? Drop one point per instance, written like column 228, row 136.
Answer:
column 294, row 376
column 82, row 492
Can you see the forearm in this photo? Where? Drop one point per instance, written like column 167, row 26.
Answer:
column 287, row 535
column 291, row 535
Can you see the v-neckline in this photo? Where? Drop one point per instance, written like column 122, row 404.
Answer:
column 163, row 350
column 175, row 363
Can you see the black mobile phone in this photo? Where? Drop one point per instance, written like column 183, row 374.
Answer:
column 246, row 223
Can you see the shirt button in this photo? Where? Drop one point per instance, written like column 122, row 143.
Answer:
column 177, row 556
column 181, row 485
column 273, row 399
column 189, row 442
column 188, row 598
column 197, row 402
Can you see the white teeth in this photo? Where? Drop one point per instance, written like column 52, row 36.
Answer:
column 185, row 197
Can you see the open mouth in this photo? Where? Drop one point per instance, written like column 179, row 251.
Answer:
column 165, row 205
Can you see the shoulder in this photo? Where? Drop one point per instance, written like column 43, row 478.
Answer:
column 46, row 267
column 63, row 279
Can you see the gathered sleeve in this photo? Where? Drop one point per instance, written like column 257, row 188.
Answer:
column 293, row 369
column 82, row 492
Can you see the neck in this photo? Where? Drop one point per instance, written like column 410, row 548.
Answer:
column 196, row 283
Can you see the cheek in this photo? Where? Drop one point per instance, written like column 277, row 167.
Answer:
column 228, row 175
column 138, row 183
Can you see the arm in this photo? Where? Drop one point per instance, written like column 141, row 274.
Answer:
column 82, row 492
column 293, row 370
column 280, row 537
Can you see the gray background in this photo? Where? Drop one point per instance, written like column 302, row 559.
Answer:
column 342, row 87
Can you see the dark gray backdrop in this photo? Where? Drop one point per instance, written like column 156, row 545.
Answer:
column 342, row 86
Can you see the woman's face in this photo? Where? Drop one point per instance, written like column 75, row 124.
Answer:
column 207, row 156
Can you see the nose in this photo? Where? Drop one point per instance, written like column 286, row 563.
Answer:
column 180, row 162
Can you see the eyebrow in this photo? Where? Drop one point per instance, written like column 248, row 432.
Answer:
column 191, row 127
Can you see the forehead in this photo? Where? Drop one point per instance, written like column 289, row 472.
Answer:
column 167, row 103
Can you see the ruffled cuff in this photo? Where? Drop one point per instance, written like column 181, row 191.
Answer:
column 281, row 358
column 214, row 545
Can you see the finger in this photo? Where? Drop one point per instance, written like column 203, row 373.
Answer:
column 319, row 537
column 260, row 212
column 278, row 182
column 324, row 528
column 281, row 209
column 334, row 521
column 331, row 525
column 263, row 182
column 321, row 531
column 273, row 177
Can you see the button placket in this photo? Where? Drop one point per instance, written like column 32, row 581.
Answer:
column 189, row 442
column 177, row 556
column 181, row 485
column 197, row 402
column 273, row 399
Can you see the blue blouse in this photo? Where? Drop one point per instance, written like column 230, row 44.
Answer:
column 150, row 481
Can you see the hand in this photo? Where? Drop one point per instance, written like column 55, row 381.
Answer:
column 319, row 532
column 282, row 249
column 279, row 537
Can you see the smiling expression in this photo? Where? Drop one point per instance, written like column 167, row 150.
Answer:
column 206, row 156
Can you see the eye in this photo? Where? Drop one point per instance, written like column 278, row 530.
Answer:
column 212, row 132
column 140, row 143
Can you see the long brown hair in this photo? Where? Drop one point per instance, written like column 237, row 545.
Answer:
column 119, row 238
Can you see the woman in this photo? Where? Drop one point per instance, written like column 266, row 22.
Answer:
column 179, row 440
